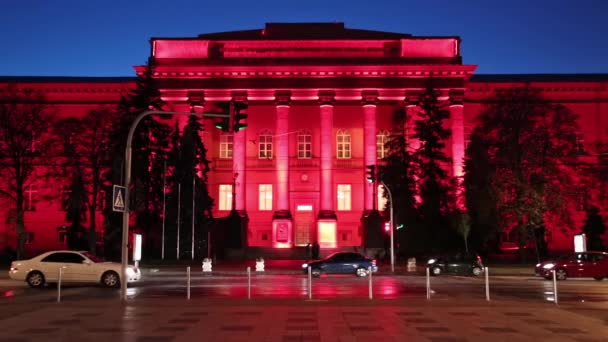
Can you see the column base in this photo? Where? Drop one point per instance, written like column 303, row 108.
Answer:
column 282, row 214
column 327, row 215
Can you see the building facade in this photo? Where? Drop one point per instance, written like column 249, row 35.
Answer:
column 320, row 99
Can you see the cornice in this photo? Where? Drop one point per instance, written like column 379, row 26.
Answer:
column 330, row 71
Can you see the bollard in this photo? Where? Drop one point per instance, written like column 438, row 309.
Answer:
column 59, row 285
column 428, row 284
column 554, row 288
column 487, row 286
column 309, row 283
column 188, row 273
column 248, row 282
column 371, row 296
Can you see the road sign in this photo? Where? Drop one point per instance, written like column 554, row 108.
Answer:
column 118, row 198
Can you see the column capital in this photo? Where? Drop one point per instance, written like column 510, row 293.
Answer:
column 456, row 97
column 326, row 98
column 369, row 97
column 196, row 99
column 282, row 98
column 239, row 96
column 412, row 98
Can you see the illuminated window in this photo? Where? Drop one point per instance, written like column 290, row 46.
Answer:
column 381, row 140
column 265, row 197
column 344, row 194
column 304, row 145
column 382, row 201
column 226, row 141
column 225, row 197
column 30, row 198
column 343, row 144
column 265, row 145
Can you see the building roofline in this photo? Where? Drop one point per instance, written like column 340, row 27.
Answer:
column 67, row 79
column 505, row 78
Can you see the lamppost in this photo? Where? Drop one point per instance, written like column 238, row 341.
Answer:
column 390, row 198
column 125, row 215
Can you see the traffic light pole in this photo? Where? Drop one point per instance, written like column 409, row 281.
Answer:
column 125, row 215
column 391, row 224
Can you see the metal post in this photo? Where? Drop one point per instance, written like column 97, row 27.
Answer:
column 179, row 218
column 162, row 245
column 554, row 288
column 248, row 282
column 193, row 208
column 127, row 178
column 188, row 273
column 309, row 283
column 391, row 225
column 371, row 295
column 59, row 285
column 487, row 285
column 428, row 284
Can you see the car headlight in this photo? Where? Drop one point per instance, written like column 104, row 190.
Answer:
column 131, row 272
column 431, row 261
column 549, row 266
column 538, row 265
column 304, row 265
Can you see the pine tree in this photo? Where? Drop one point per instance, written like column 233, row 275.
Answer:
column 397, row 174
column 594, row 227
column 431, row 163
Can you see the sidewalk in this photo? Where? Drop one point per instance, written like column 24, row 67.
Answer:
column 171, row 319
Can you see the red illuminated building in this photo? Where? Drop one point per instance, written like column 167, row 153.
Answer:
column 320, row 99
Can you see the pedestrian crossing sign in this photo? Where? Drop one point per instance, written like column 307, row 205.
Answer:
column 118, row 198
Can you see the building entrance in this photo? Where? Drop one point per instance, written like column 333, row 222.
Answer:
column 304, row 223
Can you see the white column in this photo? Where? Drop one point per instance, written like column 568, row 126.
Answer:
column 282, row 155
column 238, row 167
column 456, row 117
column 327, row 120
column 369, row 146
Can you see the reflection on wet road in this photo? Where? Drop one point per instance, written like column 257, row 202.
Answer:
column 294, row 286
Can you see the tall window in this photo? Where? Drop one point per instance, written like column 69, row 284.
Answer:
column 265, row 197
column 30, row 197
column 225, row 197
column 265, row 145
column 382, row 201
column 226, row 141
column 343, row 144
column 344, row 195
column 381, row 140
column 304, row 145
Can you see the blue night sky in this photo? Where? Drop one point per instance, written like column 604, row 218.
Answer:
column 108, row 37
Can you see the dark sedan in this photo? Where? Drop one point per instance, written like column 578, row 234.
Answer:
column 468, row 264
column 341, row 263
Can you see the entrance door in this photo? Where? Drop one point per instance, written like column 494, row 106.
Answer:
column 304, row 225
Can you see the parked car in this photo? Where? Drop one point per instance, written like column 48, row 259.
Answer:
column 575, row 265
column 78, row 267
column 341, row 263
column 468, row 264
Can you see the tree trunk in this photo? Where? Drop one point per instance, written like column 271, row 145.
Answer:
column 92, row 236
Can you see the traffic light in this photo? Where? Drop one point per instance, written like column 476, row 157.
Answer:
column 371, row 173
column 223, row 124
column 239, row 116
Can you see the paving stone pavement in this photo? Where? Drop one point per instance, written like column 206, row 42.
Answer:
column 164, row 320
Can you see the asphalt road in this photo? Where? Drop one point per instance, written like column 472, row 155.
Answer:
column 169, row 283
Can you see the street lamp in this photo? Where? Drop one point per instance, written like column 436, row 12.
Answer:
column 391, row 225
column 125, row 215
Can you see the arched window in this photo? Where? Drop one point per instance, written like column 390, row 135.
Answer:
column 265, row 145
column 304, row 145
column 343, row 144
column 381, row 140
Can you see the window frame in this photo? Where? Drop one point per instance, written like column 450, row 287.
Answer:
column 265, row 145
column 305, row 147
column 381, row 140
column 265, row 197
column 344, row 193
column 224, row 197
column 343, row 144
column 226, row 146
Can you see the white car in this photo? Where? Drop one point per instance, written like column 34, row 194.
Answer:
column 78, row 267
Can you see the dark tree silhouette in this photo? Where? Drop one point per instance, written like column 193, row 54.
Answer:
column 594, row 227
column 25, row 122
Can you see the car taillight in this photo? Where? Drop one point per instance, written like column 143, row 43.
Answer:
column 13, row 269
